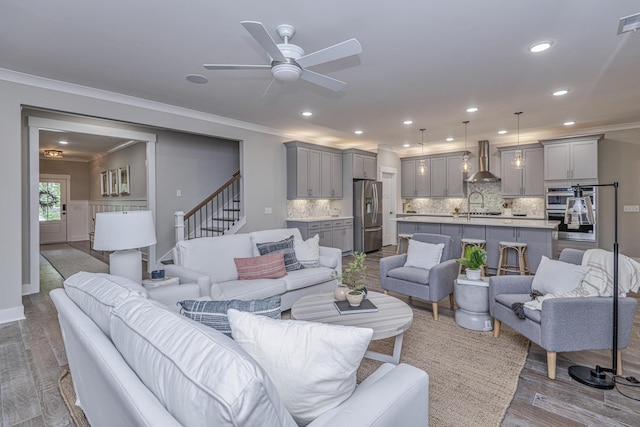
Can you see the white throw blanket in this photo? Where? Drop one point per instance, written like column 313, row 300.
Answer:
column 599, row 279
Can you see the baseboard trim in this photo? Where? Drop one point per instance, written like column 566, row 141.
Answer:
column 12, row 314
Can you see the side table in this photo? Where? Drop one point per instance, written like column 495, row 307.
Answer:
column 472, row 298
column 167, row 281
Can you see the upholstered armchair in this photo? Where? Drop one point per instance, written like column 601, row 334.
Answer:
column 431, row 284
column 563, row 324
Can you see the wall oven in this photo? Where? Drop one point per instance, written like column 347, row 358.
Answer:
column 556, row 203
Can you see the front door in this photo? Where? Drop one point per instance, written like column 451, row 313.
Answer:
column 53, row 210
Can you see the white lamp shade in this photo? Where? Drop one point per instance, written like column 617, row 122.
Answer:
column 116, row 231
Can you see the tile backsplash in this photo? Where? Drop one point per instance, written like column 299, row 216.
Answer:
column 308, row 208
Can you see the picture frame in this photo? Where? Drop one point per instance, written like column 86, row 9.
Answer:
column 123, row 181
column 104, row 183
column 113, row 180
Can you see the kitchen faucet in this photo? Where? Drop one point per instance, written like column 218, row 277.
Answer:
column 469, row 203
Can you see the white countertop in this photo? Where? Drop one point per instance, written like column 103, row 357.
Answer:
column 476, row 216
column 492, row 220
column 319, row 218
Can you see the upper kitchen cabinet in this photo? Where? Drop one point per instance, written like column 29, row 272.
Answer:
column 363, row 163
column 414, row 183
column 571, row 158
column 313, row 171
column 446, row 176
column 526, row 182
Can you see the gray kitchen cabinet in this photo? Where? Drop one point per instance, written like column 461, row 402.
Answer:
column 331, row 175
column 343, row 235
column 571, row 158
column 429, row 228
column 333, row 233
column 526, row 182
column 446, row 177
column 539, row 242
column 414, row 184
column 364, row 166
column 455, row 231
column 407, row 228
column 313, row 172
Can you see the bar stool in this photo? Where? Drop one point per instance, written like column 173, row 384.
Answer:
column 403, row 240
column 484, row 270
column 523, row 260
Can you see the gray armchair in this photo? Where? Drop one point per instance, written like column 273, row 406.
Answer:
column 564, row 324
column 429, row 285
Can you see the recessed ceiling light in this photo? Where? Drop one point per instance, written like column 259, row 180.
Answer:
column 569, row 123
column 196, row 78
column 358, row 132
column 472, row 109
column 561, row 92
column 307, row 113
column 502, row 132
column 539, row 47
column 449, row 139
column 407, row 122
column 63, row 142
column 406, row 145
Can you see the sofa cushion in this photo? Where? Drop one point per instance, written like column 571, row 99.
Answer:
column 252, row 289
column 307, row 277
column 308, row 251
column 286, row 247
column 214, row 313
column 423, row 255
column 410, row 274
column 313, row 365
column 201, row 376
column 273, row 235
column 557, row 277
column 509, row 299
column 270, row 266
column 97, row 293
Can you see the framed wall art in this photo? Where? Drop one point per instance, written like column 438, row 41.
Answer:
column 104, row 183
column 113, row 180
column 123, row 181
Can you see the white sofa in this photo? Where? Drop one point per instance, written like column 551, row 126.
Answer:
column 208, row 262
column 130, row 367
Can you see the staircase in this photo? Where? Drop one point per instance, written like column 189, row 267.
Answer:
column 216, row 215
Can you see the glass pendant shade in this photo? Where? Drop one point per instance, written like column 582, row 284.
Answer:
column 465, row 166
column 579, row 211
column 422, row 164
column 518, row 161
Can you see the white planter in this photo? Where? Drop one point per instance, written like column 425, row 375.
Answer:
column 473, row 274
column 355, row 298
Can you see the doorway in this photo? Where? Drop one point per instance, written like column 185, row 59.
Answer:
column 388, row 176
column 52, row 208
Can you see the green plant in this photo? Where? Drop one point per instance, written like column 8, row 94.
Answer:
column 474, row 257
column 353, row 275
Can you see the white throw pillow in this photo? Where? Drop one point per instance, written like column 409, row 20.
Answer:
column 308, row 251
column 313, row 365
column 556, row 277
column 423, row 255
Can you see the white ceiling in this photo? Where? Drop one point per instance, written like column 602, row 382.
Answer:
column 422, row 60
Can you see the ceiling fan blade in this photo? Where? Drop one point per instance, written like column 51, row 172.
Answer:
column 235, row 67
column 322, row 80
column 257, row 30
column 331, row 53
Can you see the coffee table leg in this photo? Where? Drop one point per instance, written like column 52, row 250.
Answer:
column 395, row 358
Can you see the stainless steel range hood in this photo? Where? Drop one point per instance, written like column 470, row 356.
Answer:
column 483, row 174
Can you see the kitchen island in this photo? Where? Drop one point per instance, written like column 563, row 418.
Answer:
column 539, row 234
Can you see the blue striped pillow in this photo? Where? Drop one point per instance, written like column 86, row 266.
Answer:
column 214, row 313
column 286, row 247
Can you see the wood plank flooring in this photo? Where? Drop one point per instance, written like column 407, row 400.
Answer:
column 32, row 356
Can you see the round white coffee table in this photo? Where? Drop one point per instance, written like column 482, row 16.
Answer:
column 391, row 320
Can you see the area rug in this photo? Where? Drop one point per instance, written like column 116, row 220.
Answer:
column 472, row 376
column 69, row 396
column 68, row 261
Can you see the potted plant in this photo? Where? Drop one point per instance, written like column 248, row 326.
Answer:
column 353, row 275
column 456, row 212
column 474, row 258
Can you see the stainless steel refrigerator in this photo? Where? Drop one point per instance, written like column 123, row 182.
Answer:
column 367, row 213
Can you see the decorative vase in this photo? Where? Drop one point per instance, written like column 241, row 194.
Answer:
column 473, row 274
column 355, row 298
column 340, row 294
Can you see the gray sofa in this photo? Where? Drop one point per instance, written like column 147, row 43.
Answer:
column 563, row 324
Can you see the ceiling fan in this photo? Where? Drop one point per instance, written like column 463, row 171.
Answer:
column 289, row 62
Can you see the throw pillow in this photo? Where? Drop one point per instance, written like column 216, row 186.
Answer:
column 270, row 266
column 286, row 247
column 313, row 365
column 423, row 255
column 308, row 251
column 556, row 277
column 214, row 313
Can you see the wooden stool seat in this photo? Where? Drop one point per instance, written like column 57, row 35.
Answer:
column 403, row 241
column 484, row 270
column 522, row 266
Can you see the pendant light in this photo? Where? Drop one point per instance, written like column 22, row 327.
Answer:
column 465, row 166
column 422, row 164
column 518, row 160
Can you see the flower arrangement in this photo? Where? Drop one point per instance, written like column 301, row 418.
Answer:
column 353, row 275
column 474, row 257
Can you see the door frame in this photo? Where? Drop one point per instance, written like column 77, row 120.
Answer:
column 393, row 191
column 31, row 237
column 67, row 179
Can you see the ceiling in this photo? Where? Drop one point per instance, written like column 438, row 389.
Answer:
column 426, row 61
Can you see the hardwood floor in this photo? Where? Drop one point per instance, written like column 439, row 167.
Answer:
column 32, row 356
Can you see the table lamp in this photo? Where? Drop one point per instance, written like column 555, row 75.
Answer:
column 124, row 232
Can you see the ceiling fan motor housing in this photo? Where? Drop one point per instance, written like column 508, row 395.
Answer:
column 288, row 71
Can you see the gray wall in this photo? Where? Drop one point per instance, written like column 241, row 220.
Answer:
column 135, row 157
column 79, row 172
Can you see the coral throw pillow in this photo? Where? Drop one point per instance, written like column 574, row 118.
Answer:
column 270, row 266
